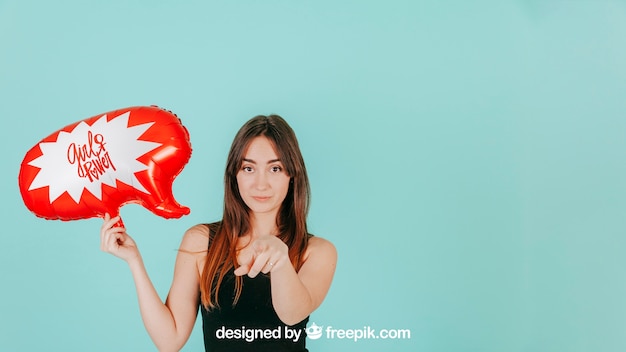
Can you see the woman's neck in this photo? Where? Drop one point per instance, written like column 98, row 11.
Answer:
column 263, row 224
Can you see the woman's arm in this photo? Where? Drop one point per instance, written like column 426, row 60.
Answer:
column 295, row 295
column 170, row 324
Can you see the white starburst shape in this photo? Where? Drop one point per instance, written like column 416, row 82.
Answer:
column 90, row 156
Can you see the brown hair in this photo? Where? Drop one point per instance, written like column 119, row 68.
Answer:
column 291, row 218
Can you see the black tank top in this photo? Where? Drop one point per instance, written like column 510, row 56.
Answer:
column 252, row 324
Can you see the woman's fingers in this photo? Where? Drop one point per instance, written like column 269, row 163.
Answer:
column 109, row 222
column 246, row 260
column 259, row 263
column 111, row 239
column 242, row 270
column 114, row 240
column 260, row 257
column 269, row 265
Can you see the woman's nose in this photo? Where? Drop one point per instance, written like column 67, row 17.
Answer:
column 261, row 181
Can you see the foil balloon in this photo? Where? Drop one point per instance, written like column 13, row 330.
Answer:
column 97, row 165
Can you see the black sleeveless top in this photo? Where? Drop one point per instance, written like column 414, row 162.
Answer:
column 252, row 324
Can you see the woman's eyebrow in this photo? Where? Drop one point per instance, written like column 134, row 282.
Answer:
column 254, row 162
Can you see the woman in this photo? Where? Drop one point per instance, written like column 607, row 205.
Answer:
column 257, row 274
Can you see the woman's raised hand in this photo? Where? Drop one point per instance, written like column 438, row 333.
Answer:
column 264, row 254
column 116, row 241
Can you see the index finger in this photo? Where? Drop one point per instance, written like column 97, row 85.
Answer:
column 111, row 222
column 245, row 260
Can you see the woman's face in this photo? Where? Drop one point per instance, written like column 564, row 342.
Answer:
column 262, row 180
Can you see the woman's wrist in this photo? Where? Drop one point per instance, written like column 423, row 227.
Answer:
column 135, row 261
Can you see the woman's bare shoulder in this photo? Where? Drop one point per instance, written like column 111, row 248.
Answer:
column 319, row 246
column 196, row 239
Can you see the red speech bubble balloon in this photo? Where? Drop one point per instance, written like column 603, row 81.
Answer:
column 97, row 165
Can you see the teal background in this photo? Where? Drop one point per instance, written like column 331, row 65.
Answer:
column 467, row 159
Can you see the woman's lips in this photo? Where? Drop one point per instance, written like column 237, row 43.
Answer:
column 261, row 199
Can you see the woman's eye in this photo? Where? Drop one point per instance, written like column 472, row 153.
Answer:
column 276, row 169
column 247, row 169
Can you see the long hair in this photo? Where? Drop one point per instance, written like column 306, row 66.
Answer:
column 291, row 218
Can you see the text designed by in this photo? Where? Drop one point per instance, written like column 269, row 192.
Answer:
column 252, row 334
